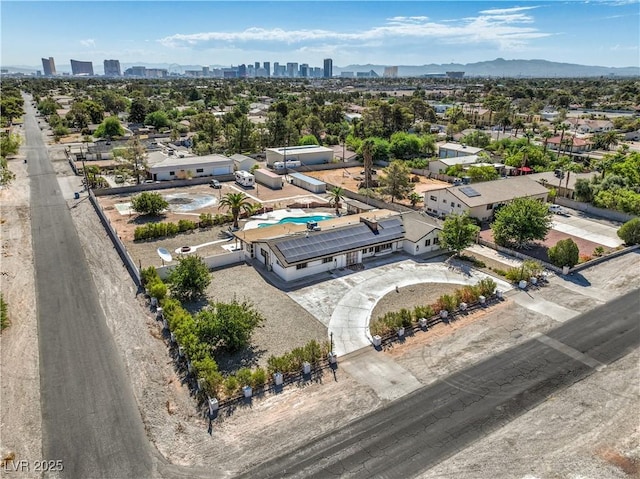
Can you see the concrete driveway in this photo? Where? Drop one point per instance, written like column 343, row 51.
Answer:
column 345, row 304
column 577, row 224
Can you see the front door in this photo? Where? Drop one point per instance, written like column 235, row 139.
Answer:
column 352, row 258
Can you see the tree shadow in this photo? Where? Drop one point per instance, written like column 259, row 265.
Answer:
column 246, row 358
column 144, row 219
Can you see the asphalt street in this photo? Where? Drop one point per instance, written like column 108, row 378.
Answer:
column 416, row 432
column 90, row 419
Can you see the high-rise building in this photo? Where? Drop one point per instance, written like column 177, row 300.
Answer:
column 112, row 68
column 267, row 67
column 136, row 71
column 328, row 67
column 242, row 70
column 304, row 70
column 81, row 68
column 292, row 70
column 276, row 69
column 390, row 72
column 256, row 65
column 49, row 67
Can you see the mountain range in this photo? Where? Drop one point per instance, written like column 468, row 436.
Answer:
column 494, row 68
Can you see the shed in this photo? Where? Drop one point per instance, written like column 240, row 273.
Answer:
column 308, row 183
column 306, row 154
column 268, row 179
column 243, row 162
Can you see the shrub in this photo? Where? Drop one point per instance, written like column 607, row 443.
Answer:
column 244, row 376
column 405, row 318
column 584, row 258
column 598, row 251
column 486, row 286
column 158, row 289
column 4, row 313
column 149, row 275
column 564, row 253
column 186, row 225
column 313, row 351
column 447, row 302
column 499, row 271
column 149, row 203
column 468, row 294
column 630, row 232
column 423, row 312
column 258, row 378
column 231, row 385
column 206, row 220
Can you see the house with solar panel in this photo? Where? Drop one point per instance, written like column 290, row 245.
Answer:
column 479, row 200
column 293, row 251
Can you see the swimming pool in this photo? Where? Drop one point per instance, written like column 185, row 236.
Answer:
column 299, row 220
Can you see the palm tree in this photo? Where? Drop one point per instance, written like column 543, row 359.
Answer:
column 367, row 153
column 236, row 202
column 546, row 135
column 336, row 195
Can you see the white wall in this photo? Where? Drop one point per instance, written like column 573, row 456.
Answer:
column 212, row 262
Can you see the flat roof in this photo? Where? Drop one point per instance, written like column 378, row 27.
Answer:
column 307, row 179
column 301, row 149
column 497, row 191
column 191, row 161
column 266, row 172
column 472, row 150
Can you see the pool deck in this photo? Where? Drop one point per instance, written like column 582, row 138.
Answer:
column 274, row 217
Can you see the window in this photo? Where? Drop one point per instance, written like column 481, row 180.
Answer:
column 458, row 205
column 490, row 206
column 427, row 242
column 383, row 247
column 301, row 266
column 444, row 200
column 327, row 260
column 452, row 204
column 172, row 173
column 199, row 170
column 433, row 198
column 436, row 240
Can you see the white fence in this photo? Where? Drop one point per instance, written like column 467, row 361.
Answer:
column 212, row 262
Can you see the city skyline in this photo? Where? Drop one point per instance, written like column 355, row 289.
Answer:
column 384, row 33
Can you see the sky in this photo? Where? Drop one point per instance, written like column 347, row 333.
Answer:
column 209, row 33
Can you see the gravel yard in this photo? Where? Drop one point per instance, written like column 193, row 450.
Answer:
column 411, row 296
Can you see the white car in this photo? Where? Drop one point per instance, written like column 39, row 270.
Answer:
column 556, row 209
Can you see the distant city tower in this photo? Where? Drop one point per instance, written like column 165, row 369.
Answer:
column 328, row 68
column 49, row 67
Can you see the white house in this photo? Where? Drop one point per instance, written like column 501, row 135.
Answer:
column 454, row 150
column 176, row 168
column 422, row 233
column 479, row 200
column 306, row 154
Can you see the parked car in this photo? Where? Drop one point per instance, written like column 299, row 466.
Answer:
column 215, row 184
column 556, row 209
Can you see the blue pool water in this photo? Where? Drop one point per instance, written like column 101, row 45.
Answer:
column 297, row 220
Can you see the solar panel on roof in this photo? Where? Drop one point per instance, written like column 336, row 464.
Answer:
column 469, row 191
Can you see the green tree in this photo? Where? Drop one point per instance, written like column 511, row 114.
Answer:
column 521, row 221
column 149, row 203
column 564, row 253
column 482, row 173
column 138, row 110
column 236, row 202
column 368, row 147
column 308, row 140
column 458, row 232
column 583, row 190
column 109, row 128
column 189, row 278
column 405, row 145
column 630, row 232
column 228, row 325
column 396, row 182
column 336, row 196
column 415, row 198
column 132, row 158
column 157, row 119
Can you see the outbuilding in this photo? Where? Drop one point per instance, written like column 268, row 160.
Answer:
column 175, row 168
column 308, row 183
column 268, row 179
column 305, row 154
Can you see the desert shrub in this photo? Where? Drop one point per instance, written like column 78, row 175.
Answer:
column 231, row 385
column 598, row 251
column 405, row 317
column 157, row 289
column 468, row 294
column 528, row 269
column 630, row 232
column 171, row 229
column 584, row 258
column 423, row 312
column 244, row 376
column 313, row 351
column 206, row 220
column 448, row 302
column 276, row 364
column 499, row 271
column 4, row 313
column 486, row 286
column 149, row 275
column 258, row 378
column 186, row 225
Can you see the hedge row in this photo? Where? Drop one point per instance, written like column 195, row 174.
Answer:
column 160, row 230
column 291, row 362
column 405, row 318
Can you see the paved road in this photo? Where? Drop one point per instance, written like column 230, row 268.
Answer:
column 90, row 418
column 429, row 425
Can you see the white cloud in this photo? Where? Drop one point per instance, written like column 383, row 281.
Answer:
column 89, row 42
column 505, row 29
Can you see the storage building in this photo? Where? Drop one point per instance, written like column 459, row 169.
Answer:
column 308, row 183
column 306, row 154
column 175, row 168
column 268, row 179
